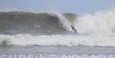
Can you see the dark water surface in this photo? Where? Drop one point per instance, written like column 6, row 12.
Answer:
column 57, row 51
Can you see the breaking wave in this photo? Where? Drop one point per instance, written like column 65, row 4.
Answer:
column 27, row 28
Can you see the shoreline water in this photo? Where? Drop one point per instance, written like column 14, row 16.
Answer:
column 56, row 52
column 58, row 49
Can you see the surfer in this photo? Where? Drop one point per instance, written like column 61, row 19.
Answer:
column 73, row 29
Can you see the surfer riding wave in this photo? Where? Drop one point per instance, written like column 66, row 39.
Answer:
column 73, row 29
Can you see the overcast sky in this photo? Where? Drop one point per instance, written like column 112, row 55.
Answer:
column 73, row 6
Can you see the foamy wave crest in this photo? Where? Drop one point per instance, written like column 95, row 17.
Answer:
column 100, row 23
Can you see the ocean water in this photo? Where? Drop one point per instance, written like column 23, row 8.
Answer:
column 56, row 52
column 27, row 28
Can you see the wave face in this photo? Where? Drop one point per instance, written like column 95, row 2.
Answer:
column 32, row 23
column 26, row 28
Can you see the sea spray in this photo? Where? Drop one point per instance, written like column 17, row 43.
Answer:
column 98, row 23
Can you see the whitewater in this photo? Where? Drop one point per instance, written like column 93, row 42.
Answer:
column 93, row 29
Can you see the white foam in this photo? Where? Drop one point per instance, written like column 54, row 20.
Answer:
column 100, row 23
column 67, row 40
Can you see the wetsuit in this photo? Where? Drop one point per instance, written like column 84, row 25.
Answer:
column 73, row 29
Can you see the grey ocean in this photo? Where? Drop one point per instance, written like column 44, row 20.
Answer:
column 41, row 34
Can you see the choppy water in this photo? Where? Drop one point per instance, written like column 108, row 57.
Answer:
column 27, row 28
